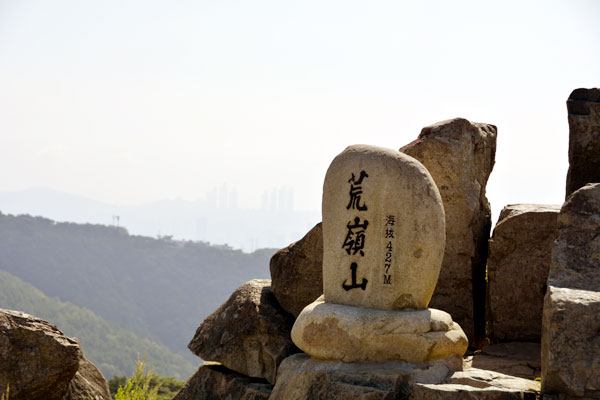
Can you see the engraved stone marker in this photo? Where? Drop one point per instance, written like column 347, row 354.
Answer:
column 383, row 230
column 383, row 243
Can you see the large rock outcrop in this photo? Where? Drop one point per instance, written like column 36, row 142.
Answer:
column 36, row 359
column 583, row 106
column 570, row 339
column 213, row 381
column 518, row 263
column 249, row 333
column 459, row 155
column 297, row 272
column 302, row 377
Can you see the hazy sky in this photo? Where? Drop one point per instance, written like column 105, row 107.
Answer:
column 135, row 101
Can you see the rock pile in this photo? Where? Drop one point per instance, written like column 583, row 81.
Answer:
column 38, row 362
column 376, row 258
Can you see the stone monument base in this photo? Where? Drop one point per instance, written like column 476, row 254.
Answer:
column 329, row 331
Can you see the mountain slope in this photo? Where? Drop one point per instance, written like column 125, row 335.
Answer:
column 159, row 289
column 110, row 348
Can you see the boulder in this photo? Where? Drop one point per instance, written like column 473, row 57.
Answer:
column 570, row 339
column 583, row 107
column 383, row 230
column 213, row 381
column 459, row 155
column 88, row 383
column 297, row 272
column 249, row 333
column 521, row 359
column 357, row 334
column 36, row 359
column 571, row 343
column 518, row 263
column 302, row 377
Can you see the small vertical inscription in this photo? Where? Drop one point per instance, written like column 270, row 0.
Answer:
column 354, row 242
column 390, row 221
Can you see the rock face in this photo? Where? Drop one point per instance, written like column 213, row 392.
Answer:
column 570, row 340
column 249, row 333
column 36, row 359
column 571, row 343
column 88, row 382
column 576, row 254
column 459, row 155
column 356, row 334
column 383, row 230
column 301, row 377
column 213, row 381
column 583, row 106
column 297, row 272
column 518, row 263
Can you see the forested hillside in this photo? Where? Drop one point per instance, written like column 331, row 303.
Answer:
column 112, row 349
column 158, row 288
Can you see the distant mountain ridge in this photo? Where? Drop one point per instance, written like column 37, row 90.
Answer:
column 159, row 289
column 204, row 219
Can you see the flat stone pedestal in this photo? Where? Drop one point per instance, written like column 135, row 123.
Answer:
column 330, row 331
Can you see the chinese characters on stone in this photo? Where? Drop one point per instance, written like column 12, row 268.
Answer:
column 355, row 238
column 389, row 234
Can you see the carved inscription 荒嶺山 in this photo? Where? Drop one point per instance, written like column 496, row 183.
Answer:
column 389, row 234
column 354, row 243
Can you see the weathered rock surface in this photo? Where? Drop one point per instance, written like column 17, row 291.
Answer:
column 36, row 359
column 521, row 359
column 571, row 326
column 213, row 381
column 249, row 333
column 518, row 264
column 583, row 106
column 297, row 272
column 459, row 155
column 302, row 377
column 383, row 230
column 331, row 331
column 88, row 383
column 571, row 342
column 576, row 254
column 478, row 384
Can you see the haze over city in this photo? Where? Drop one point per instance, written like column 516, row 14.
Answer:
column 136, row 102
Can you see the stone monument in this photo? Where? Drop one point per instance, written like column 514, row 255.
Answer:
column 383, row 244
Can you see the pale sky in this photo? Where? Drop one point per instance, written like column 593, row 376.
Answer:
column 135, row 101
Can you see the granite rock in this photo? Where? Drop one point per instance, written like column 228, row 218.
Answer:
column 297, row 272
column 518, row 264
column 36, row 359
column 576, row 253
column 571, row 343
column 383, row 230
column 213, row 381
column 302, row 378
column 87, row 383
column 583, row 106
column 459, row 155
column 249, row 333
column 356, row 334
